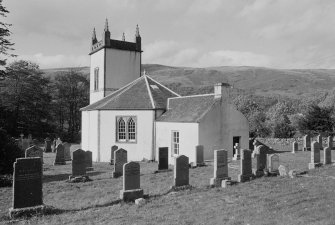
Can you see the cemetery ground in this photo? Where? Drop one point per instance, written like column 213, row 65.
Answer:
column 309, row 199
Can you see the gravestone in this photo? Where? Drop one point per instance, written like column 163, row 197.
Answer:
column 113, row 149
column 120, row 158
column 237, row 152
column 67, row 151
column 319, row 140
column 330, row 142
column 220, row 168
column 47, row 145
column 294, row 147
column 131, row 182
column 327, row 155
column 199, row 155
column 181, row 171
column 282, row 170
column 54, row 145
column 246, row 166
column 163, row 158
column 78, row 163
column 34, row 151
column 260, row 155
column 88, row 161
column 58, row 141
column 59, row 160
column 307, row 143
column 315, row 156
column 27, row 187
column 273, row 163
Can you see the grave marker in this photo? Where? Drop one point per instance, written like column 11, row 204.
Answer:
column 131, row 182
column 47, row 145
column 237, row 152
column 315, row 156
column 163, row 158
column 319, row 140
column 246, row 166
column 307, row 142
column 260, row 155
column 330, row 142
column 181, row 171
column 60, row 159
column 120, row 158
column 88, row 161
column 327, row 155
column 78, row 163
column 220, row 168
column 67, row 151
column 273, row 163
column 199, row 155
column 113, row 149
column 294, row 147
column 34, row 151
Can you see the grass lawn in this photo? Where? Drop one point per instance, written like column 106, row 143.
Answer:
column 269, row 200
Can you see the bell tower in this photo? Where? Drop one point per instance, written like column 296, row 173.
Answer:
column 114, row 63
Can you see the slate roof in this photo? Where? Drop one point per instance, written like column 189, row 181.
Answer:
column 142, row 93
column 188, row 108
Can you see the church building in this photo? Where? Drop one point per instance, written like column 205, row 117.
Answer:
column 137, row 113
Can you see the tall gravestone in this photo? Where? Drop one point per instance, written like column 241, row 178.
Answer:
column 27, row 187
column 273, row 163
column 60, row 159
column 315, row 156
column 78, row 163
column 88, row 160
column 163, row 158
column 67, row 151
column 54, row 145
column 220, row 168
column 47, row 145
column 181, row 171
column 294, row 147
column 131, row 182
column 330, row 142
column 113, row 149
column 260, row 155
column 34, row 151
column 307, row 142
column 327, row 155
column 120, row 158
column 199, row 155
column 319, row 140
column 246, row 166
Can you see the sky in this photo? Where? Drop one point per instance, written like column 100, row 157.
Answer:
column 285, row 34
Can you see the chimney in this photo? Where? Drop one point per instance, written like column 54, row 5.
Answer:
column 221, row 91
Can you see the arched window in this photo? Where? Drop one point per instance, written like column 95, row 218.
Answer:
column 96, row 78
column 121, row 130
column 131, row 130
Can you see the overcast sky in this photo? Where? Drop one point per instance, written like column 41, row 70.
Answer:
column 196, row 33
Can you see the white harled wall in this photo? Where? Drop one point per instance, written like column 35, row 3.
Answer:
column 97, row 60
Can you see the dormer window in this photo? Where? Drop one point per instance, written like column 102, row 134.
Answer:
column 96, row 78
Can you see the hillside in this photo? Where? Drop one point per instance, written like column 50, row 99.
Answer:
column 258, row 80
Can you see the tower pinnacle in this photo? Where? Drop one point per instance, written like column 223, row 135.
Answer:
column 123, row 37
column 137, row 31
column 106, row 25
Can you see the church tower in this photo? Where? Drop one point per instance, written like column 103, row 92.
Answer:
column 114, row 63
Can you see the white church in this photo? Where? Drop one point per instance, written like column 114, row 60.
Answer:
column 137, row 113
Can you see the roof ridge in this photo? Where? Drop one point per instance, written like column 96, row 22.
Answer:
column 192, row 96
column 149, row 91
column 163, row 86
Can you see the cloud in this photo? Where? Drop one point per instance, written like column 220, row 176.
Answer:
column 56, row 61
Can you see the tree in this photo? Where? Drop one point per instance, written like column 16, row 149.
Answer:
column 24, row 99
column 5, row 43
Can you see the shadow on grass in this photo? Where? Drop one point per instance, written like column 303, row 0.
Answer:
column 65, row 176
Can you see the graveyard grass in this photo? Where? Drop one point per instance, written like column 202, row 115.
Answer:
column 268, row 200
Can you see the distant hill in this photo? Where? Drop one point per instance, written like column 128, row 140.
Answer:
column 257, row 80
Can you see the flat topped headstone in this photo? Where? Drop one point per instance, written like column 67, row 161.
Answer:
column 330, row 142
column 315, row 155
column 273, row 163
column 199, row 153
column 34, row 151
column 78, row 163
column 220, row 167
column 88, row 160
column 67, row 151
column 47, row 145
column 27, row 183
column 319, row 140
column 327, row 155
column 131, row 176
column 60, row 157
column 120, row 158
column 246, row 166
column 163, row 158
column 294, row 147
column 113, row 149
column 307, row 142
column 181, row 171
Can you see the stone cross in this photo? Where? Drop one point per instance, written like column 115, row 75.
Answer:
column 34, row 151
column 181, row 171
column 246, row 166
column 113, row 149
column 315, row 155
column 307, row 142
column 327, row 155
column 67, row 151
column 88, row 160
column 319, row 140
column 237, row 152
column 260, row 155
column 131, row 182
column 120, row 158
column 199, row 155
column 273, row 163
column 220, row 168
column 59, row 160
column 163, row 158
column 47, row 145
column 27, row 184
column 78, row 163
column 294, row 147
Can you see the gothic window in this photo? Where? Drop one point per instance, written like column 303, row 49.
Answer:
column 131, row 130
column 96, row 78
column 175, row 143
column 126, row 129
column 121, row 130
